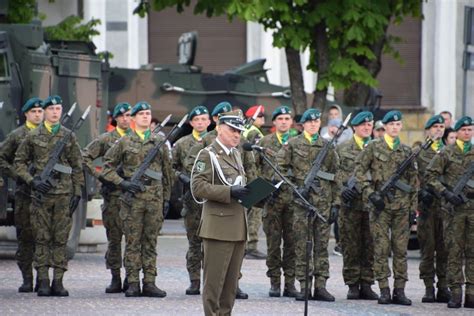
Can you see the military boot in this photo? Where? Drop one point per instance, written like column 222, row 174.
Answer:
column 429, row 296
column 399, row 297
column 133, row 290
column 37, row 282
column 241, row 295
column 456, row 298
column 151, row 290
column 321, row 294
column 57, row 288
column 300, row 295
column 354, row 292
column 443, row 295
column 366, row 292
column 44, row 289
column 27, row 285
column 194, row 288
column 290, row 290
column 469, row 301
column 385, row 297
column 125, row 284
column 115, row 285
column 275, row 289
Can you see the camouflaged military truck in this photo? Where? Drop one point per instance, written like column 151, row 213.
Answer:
column 31, row 67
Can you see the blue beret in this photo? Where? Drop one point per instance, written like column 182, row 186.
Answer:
column 121, row 108
column 51, row 100
column 463, row 121
column 221, row 108
column 140, row 106
column 436, row 119
column 392, row 116
column 31, row 103
column 198, row 110
column 310, row 114
column 362, row 117
column 281, row 110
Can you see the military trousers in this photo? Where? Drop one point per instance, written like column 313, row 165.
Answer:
column 114, row 231
column 24, row 233
column 254, row 223
column 194, row 255
column 51, row 224
column 460, row 231
column 222, row 263
column 357, row 246
column 390, row 231
column 142, row 223
column 319, row 259
column 278, row 228
column 434, row 255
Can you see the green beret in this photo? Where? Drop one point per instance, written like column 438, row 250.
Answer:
column 198, row 110
column 463, row 121
column 392, row 116
column 310, row 115
column 51, row 100
column 140, row 106
column 31, row 103
column 362, row 117
column 221, row 108
column 121, row 109
column 281, row 110
column 436, row 119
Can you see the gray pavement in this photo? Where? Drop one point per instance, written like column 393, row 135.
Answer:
column 87, row 279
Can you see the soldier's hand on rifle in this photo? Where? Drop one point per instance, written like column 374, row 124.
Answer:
column 73, row 203
column 130, row 187
column 426, row 197
column 349, row 194
column 452, row 198
column 303, row 192
column 41, row 186
column 333, row 214
column 184, row 179
column 377, row 201
column 238, row 192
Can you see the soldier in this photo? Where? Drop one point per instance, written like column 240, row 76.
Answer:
column 218, row 178
column 111, row 193
column 295, row 161
column 357, row 243
column 142, row 220
column 379, row 129
column 253, row 135
column 278, row 215
column 390, row 229
column 431, row 222
column 24, row 255
column 52, row 207
column 199, row 120
column 442, row 174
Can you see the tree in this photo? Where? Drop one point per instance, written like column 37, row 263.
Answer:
column 71, row 29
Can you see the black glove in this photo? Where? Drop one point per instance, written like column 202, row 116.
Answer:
column 452, row 198
column 349, row 194
column 184, row 179
column 377, row 201
column 73, row 203
column 238, row 192
column 426, row 197
column 303, row 192
column 41, row 186
column 334, row 213
column 166, row 208
column 130, row 187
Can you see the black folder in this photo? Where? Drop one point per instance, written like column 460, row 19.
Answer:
column 259, row 189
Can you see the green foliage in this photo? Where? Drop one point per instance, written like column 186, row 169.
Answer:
column 72, row 29
column 21, row 11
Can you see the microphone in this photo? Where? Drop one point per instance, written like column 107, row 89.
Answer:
column 250, row 147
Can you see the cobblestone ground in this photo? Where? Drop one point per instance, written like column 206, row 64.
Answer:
column 87, row 279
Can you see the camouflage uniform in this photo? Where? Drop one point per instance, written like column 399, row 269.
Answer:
column 443, row 173
column 430, row 230
column 24, row 233
column 357, row 243
column 390, row 229
column 111, row 206
column 191, row 210
column 277, row 220
column 50, row 217
column 143, row 219
column 295, row 161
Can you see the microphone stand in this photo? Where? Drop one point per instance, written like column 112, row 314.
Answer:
column 311, row 212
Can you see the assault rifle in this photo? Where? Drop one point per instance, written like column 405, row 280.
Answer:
column 250, row 121
column 142, row 171
column 463, row 180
